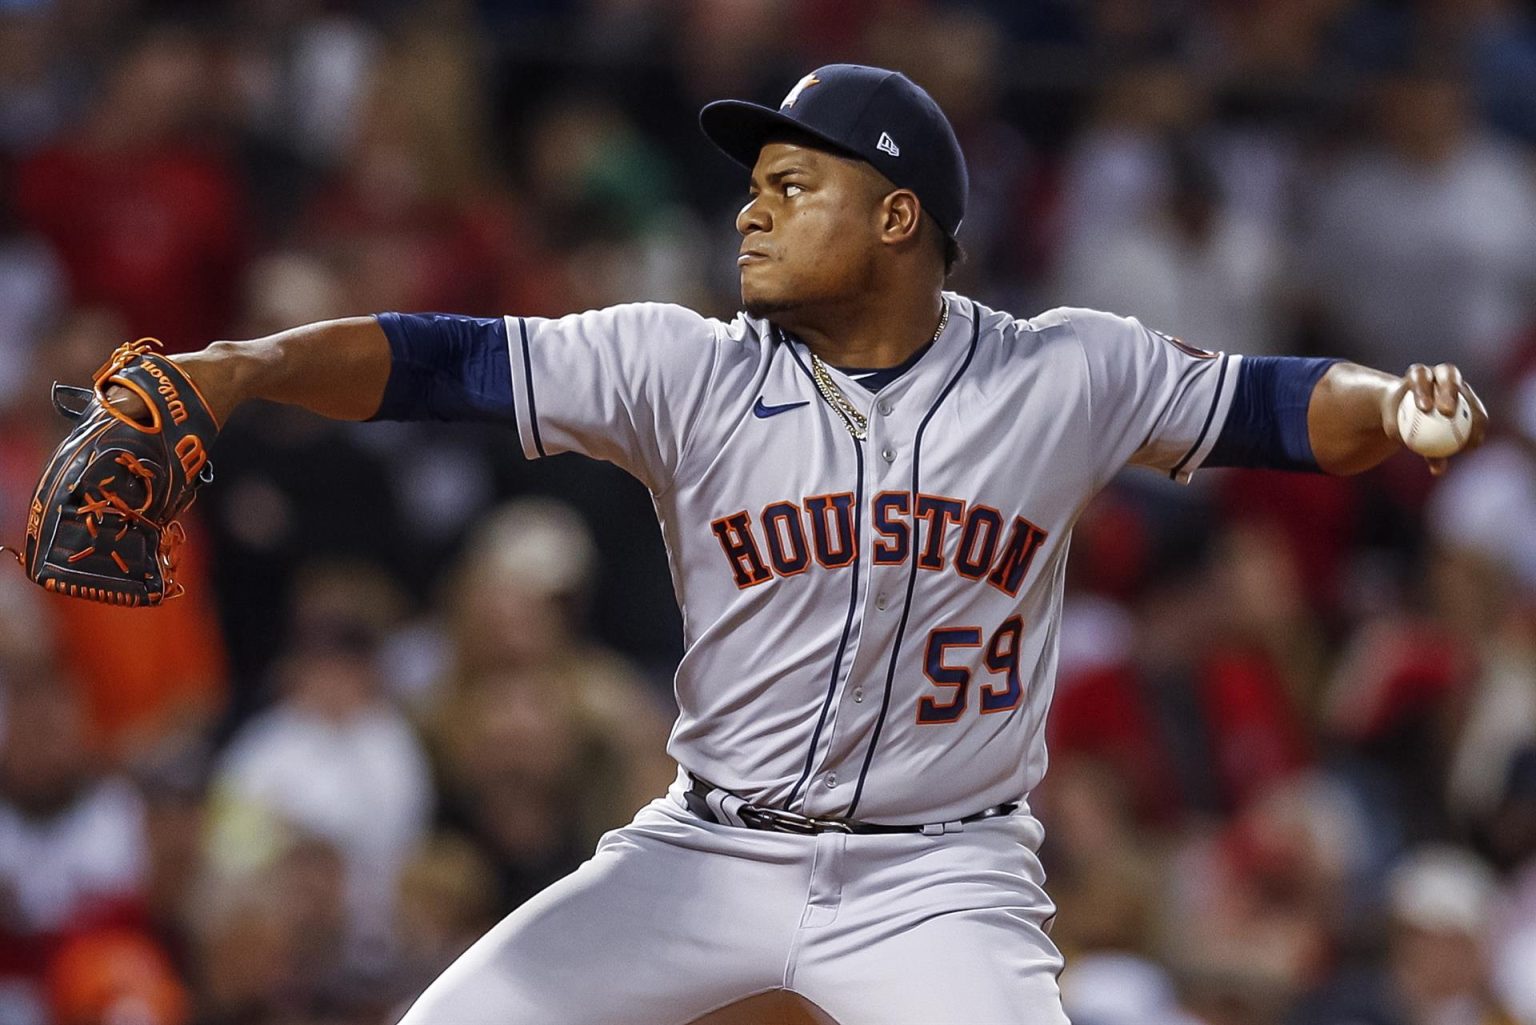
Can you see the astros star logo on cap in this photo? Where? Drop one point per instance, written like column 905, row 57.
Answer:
column 800, row 87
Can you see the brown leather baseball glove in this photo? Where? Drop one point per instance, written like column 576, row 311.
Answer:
column 102, row 524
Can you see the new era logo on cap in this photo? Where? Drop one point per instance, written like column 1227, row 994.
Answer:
column 888, row 145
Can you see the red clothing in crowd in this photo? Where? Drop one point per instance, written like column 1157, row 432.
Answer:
column 156, row 234
column 1249, row 734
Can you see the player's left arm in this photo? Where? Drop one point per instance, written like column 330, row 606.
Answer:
column 1352, row 415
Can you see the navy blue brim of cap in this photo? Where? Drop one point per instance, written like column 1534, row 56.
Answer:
column 740, row 128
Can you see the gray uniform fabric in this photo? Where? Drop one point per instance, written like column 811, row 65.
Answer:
column 870, row 632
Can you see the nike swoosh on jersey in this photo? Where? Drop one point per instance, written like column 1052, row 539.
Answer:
column 763, row 411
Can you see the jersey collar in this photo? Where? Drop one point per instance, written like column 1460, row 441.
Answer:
column 940, row 352
column 934, row 360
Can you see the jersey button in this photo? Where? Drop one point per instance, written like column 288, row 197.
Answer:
column 858, row 695
column 831, row 780
column 889, row 455
column 884, row 408
column 881, row 601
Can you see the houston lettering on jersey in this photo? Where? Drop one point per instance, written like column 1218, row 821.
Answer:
column 786, row 536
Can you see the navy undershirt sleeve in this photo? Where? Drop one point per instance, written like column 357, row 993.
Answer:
column 1267, row 424
column 446, row 367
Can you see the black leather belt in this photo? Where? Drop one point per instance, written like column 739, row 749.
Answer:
column 720, row 806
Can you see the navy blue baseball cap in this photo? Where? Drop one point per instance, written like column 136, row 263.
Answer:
column 881, row 117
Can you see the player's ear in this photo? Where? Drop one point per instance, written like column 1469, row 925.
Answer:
column 901, row 216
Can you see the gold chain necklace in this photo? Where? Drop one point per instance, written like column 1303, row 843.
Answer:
column 856, row 422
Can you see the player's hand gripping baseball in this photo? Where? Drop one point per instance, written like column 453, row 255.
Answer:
column 1435, row 389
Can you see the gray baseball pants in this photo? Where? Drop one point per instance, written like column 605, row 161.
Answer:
column 674, row 917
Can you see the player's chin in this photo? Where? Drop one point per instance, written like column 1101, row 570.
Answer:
column 768, row 309
column 761, row 302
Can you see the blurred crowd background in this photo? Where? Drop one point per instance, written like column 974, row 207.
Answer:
column 414, row 678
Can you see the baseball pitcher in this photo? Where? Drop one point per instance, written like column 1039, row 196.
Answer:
column 867, row 485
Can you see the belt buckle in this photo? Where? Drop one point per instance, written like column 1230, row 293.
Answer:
column 793, row 822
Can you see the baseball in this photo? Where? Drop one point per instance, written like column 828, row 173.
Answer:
column 1433, row 434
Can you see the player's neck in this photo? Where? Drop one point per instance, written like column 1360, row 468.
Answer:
column 871, row 335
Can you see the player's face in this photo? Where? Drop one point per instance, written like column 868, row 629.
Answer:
column 809, row 235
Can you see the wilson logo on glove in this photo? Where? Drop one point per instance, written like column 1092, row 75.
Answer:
column 102, row 524
column 192, row 455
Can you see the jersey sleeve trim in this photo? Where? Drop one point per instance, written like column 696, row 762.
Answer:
column 1215, row 417
column 523, row 396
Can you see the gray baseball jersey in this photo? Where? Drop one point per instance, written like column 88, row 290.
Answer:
column 870, row 627
column 870, row 633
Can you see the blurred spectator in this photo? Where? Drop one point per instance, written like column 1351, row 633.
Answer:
column 531, row 572
column 1445, row 696
column 1195, row 719
column 31, row 287
column 1263, row 587
column 546, row 738
column 146, row 216
column 408, row 221
column 332, row 596
column 1496, row 716
column 1115, row 175
column 276, row 463
column 1489, row 506
column 1515, row 925
column 1284, row 40
column 1440, row 902
column 956, row 54
column 1313, row 525
column 606, row 201
column 34, row 89
column 175, row 797
column 1489, row 42
column 521, row 585
column 1395, row 688
column 1119, row 989
column 510, row 748
column 1191, row 265
column 535, row 770
column 1430, row 235
column 1255, row 906
column 448, row 900
column 725, row 45
column 1501, row 38
column 72, row 839
column 302, row 72
column 287, row 288
column 1105, row 871
column 115, row 976
column 335, row 760
column 273, row 945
